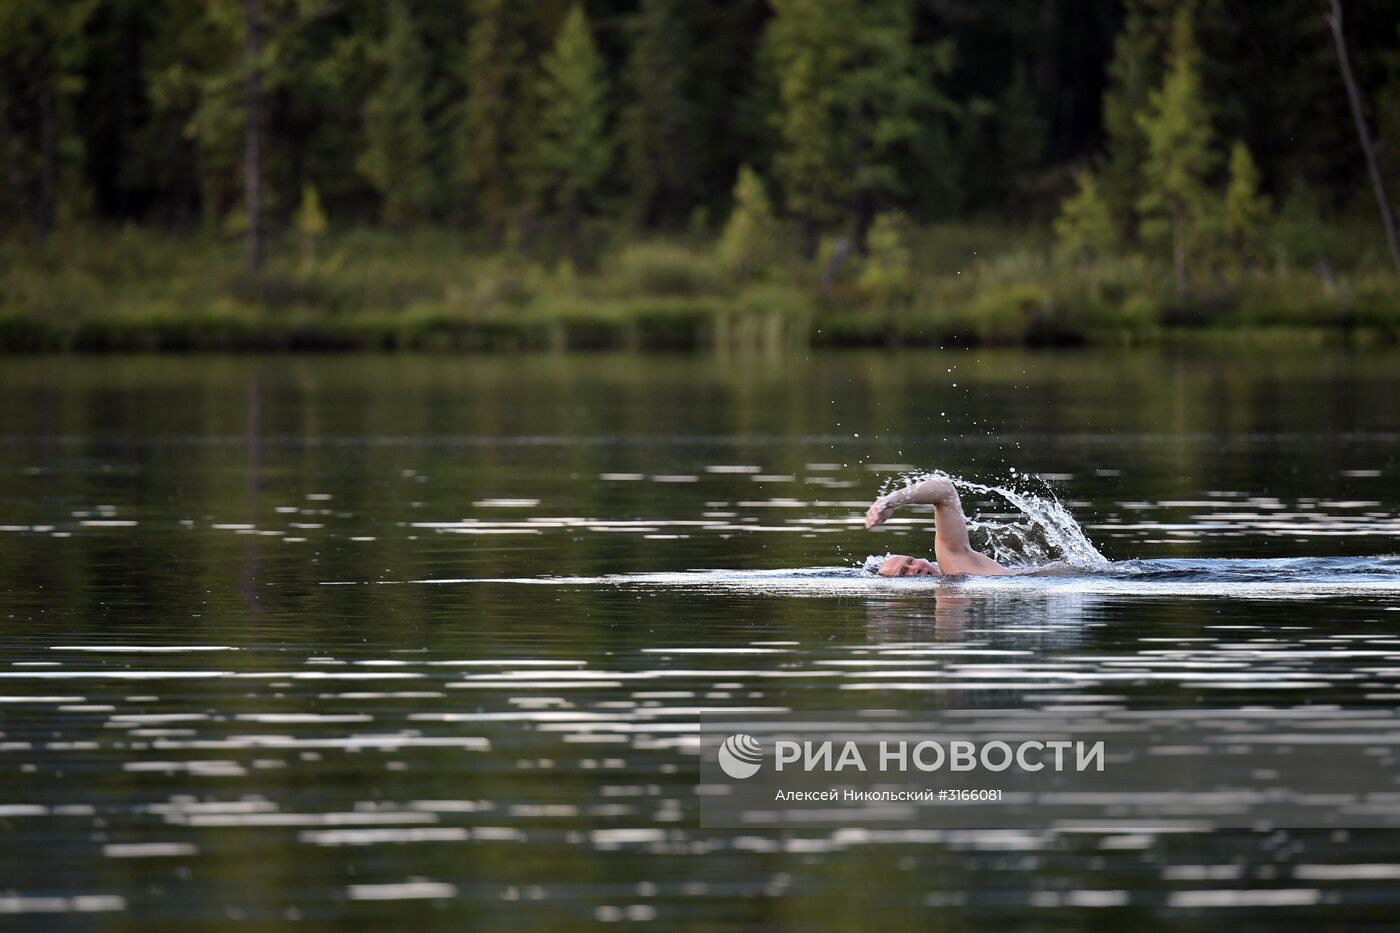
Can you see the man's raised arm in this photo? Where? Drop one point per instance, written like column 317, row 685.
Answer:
column 951, row 546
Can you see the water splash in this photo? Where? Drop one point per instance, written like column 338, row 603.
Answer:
column 1044, row 533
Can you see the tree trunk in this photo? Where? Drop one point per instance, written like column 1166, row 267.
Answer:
column 1387, row 218
column 252, row 135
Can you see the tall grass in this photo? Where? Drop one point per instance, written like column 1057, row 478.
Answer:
column 433, row 288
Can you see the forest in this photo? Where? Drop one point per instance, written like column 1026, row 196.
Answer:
column 240, row 174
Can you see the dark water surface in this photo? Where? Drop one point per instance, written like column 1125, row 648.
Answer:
column 381, row 642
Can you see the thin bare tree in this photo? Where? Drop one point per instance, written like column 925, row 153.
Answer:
column 1387, row 217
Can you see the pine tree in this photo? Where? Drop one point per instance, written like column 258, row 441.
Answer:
column 484, row 145
column 1085, row 227
column 571, row 152
column 397, row 140
column 887, row 97
column 748, row 243
column 808, row 47
column 1246, row 208
column 218, row 63
column 200, row 80
column 662, row 151
column 1179, row 156
column 856, row 97
column 1134, row 71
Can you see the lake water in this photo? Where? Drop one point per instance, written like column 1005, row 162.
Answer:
column 371, row 642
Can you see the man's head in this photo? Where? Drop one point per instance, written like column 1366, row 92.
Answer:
column 901, row 565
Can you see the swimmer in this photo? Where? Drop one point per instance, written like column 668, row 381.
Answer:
column 950, row 544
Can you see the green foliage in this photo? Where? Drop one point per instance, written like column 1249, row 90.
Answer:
column 123, row 111
column 397, row 142
column 855, row 98
column 571, row 150
column 1085, row 227
column 43, row 47
column 888, row 94
column 808, row 46
column 200, row 82
column 1247, row 210
column 748, row 243
column 658, row 127
column 1021, row 128
column 887, row 273
column 1298, row 233
column 1133, row 72
column 1008, row 314
column 484, row 150
column 310, row 223
column 1179, row 156
column 196, row 82
column 503, row 117
column 373, row 288
column 660, row 269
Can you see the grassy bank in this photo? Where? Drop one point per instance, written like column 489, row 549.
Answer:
column 958, row 285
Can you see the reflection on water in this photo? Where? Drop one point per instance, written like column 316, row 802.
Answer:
column 1286, row 578
column 197, row 726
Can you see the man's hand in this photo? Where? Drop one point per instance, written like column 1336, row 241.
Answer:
column 879, row 512
column 934, row 491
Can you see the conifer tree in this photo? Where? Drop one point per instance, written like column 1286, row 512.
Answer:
column 809, row 48
column 885, row 100
column 397, row 142
column 1179, row 156
column 1133, row 72
column 571, row 152
column 484, row 149
column 1246, row 208
column 747, row 244
column 855, row 97
column 1085, row 227
column 662, row 151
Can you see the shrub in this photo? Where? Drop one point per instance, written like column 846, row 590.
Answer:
column 886, row 275
column 660, row 270
column 1085, row 228
column 749, row 242
column 1009, row 313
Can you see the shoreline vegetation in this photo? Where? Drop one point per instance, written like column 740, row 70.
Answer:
column 433, row 289
column 311, row 175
